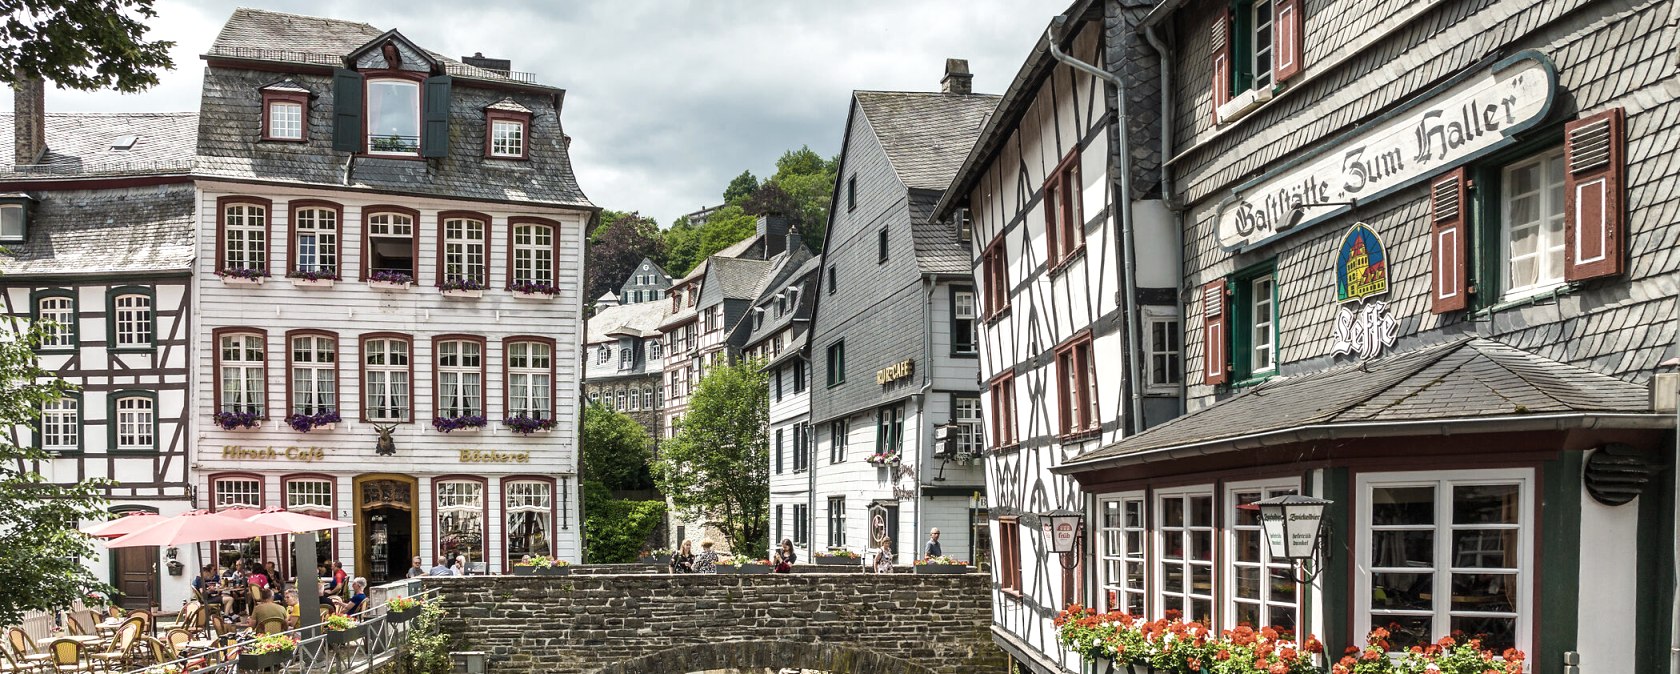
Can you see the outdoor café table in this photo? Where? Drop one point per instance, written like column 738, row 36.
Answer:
column 108, row 625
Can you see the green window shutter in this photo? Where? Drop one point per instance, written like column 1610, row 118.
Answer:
column 434, row 138
column 347, row 110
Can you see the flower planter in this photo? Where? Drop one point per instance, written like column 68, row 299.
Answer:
column 743, row 569
column 237, row 281
column 655, row 559
column 312, row 283
column 553, row 570
column 343, row 637
column 403, row 616
column 388, row 285
column 541, row 297
column 524, row 570
column 942, row 569
column 463, row 293
column 254, row 661
column 828, row 560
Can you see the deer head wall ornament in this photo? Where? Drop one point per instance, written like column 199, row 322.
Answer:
column 386, row 445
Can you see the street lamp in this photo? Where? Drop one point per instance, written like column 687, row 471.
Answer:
column 1294, row 525
column 1064, row 528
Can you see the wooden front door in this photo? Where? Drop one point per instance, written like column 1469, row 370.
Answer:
column 136, row 577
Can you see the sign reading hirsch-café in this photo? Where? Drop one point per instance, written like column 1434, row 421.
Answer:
column 1462, row 119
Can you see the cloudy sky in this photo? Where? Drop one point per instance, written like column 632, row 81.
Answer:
column 666, row 99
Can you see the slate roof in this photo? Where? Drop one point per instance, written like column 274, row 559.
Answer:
column 737, row 278
column 925, row 135
column 1462, row 380
column 791, row 268
column 231, row 112
column 260, row 34
column 133, row 229
column 641, row 319
column 79, row 144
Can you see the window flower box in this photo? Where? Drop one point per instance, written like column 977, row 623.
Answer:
column 533, row 290
column 941, row 566
column 884, row 460
column 312, row 279
column 390, row 280
column 461, row 287
column 526, row 425
column 240, row 276
column 324, row 420
column 471, row 422
column 239, row 421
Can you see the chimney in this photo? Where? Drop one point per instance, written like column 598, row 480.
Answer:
column 29, row 108
column 774, row 229
column 957, row 78
column 498, row 66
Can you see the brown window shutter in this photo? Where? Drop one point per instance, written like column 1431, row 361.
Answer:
column 1216, row 329
column 1221, row 43
column 1449, row 290
column 1286, row 39
column 1594, row 173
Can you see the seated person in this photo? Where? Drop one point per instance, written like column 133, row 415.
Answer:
column 266, row 608
column 291, row 609
column 358, row 598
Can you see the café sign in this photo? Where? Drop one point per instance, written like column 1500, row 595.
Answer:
column 1464, row 118
column 304, row 454
column 899, row 370
column 493, row 456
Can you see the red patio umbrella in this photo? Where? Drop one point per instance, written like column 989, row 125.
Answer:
column 296, row 522
column 243, row 512
column 196, row 527
column 122, row 526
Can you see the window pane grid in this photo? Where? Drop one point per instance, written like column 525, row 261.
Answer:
column 460, row 384
column 244, row 237
column 285, row 120
column 1122, row 555
column 386, row 363
column 134, row 320
column 1533, row 212
column 243, row 374
column 238, row 492
column 317, row 241
column 309, row 495
column 463, row 250
column 60, row 424
column 507, row 138
column 58, row 318
column 460, row 519
column 1185, row 523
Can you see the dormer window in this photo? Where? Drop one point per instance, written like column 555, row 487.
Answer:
column 285, row 112
column 14, row 222
column 393, row 116
column 507, row 132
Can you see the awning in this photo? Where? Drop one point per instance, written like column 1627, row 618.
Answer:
column 1467, row 386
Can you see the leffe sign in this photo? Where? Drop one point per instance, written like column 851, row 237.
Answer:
column 1462, row 119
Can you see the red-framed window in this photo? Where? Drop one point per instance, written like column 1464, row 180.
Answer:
column 240, row 361
column 1009, row 556
column 528, row 504
column 285, row 115
column 507, row 134
column 1064, row 214
column 242, row 241
column 994, row 277
column 1002, row 392
column 1076, row 379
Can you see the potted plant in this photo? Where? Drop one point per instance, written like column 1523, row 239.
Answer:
column 837, row 557
column 533, row 290
column 324, row 420
column 267, row 651
column 1172, row 646
column 465, row 421
column 660, row 556
column 390, row 280
column 541, row 565
column 317, row 278
column 233, row 421
column 342, row 629
column 737, row 565
column 461, row 287
column 941, row 565
column 525, row 424
column 242, row 276
column 402, row 609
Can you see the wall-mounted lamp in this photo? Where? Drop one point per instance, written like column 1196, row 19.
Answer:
column 1064, row 528
column 1294, row 527
column 1299, row 211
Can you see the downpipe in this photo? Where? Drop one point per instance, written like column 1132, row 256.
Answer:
column 1174, row 208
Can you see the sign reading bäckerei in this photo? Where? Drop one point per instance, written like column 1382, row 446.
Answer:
column 1462, row 119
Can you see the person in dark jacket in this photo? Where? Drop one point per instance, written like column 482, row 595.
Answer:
column 782, row 561
column 682, row 561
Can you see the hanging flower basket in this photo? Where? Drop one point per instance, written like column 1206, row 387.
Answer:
column 469, row 422
column 238, row 421
column 461, row 287
column 390, row 280
column 240, row 276
column 325, row 420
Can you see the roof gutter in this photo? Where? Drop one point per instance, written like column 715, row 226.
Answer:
column 1383, row 429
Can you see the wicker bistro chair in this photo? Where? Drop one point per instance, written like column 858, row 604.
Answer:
column 271, row 626
column 156, row 651
column 177, row 639
column 67, row 656
column 118, row 654
column 25, row 649
column 12, row 665
column 191, row 617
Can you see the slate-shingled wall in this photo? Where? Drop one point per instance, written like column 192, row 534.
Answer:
column 846, row 624
column 1608, row 54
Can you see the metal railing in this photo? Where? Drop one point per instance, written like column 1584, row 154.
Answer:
column 316, row 653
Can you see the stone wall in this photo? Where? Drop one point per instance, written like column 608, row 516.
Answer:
column 663, row 624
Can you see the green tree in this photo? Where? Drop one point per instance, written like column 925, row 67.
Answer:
column 81, row 44
column 717, row 468
column 808, row 181
column 616, row 449
column 615, row 249
column 40, row 547
column 682, row 245
column 617, row 529
column 740, row 188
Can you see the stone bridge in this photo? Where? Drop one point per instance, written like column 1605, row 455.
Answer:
column 663, row 624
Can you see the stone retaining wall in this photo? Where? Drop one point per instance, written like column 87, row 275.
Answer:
column 665, row 624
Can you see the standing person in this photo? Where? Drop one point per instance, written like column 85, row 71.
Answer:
column 707, row 561
column 932, row 548
column 442, row 568
column 782, row 561
column 682, row 561
column 884, row 557
column 418, row 569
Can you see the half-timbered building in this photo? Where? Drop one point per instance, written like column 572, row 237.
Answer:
column 893, row 336
column 390, row 322
column 1428, row 276
column 1074, row 265
column 96, row 225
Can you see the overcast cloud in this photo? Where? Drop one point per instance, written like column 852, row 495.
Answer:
column 666, row 101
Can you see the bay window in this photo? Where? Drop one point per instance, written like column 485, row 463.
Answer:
column 385, row 379
column 530, row 518
column 459, row 366
column 460, row 520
